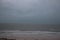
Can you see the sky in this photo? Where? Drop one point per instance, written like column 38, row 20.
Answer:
column 30, row 11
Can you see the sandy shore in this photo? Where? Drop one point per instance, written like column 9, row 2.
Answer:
column 35, row 38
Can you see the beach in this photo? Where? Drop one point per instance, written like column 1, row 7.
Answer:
column 30, row 35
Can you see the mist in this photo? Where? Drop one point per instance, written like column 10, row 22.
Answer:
column 30, row 11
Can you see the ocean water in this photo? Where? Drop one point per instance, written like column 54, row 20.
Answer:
column 18, row 33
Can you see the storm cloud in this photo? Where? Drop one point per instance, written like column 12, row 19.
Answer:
column 30, row 11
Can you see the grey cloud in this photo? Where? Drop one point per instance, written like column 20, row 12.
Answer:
column 35, row 11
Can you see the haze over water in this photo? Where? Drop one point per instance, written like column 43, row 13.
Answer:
column 30, row 19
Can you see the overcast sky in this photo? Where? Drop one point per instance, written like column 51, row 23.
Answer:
column 30, row 11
